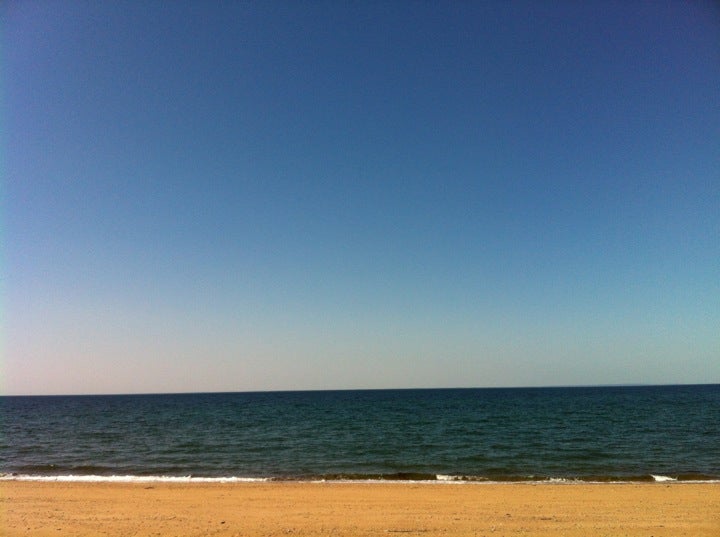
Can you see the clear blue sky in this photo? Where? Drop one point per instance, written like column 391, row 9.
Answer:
column 312, row 195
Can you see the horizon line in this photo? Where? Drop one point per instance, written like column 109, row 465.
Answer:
column 327, row 390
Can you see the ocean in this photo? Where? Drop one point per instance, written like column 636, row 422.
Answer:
column 604, row 434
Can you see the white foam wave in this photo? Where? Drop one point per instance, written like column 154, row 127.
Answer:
column 443, row 477
column 663, row 478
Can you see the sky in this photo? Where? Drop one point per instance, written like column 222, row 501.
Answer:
column 241, row 196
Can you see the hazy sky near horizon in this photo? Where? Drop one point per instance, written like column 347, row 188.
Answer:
column 322, row 195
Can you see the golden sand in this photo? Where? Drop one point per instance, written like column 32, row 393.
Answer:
column 359, row 509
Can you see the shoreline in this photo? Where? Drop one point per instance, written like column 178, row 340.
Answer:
column 410, row 478
column 187, row 480
column 359, row 509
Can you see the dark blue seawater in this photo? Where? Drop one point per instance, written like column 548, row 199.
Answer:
column 596, row 433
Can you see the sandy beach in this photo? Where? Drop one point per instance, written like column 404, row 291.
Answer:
column 359, row 509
